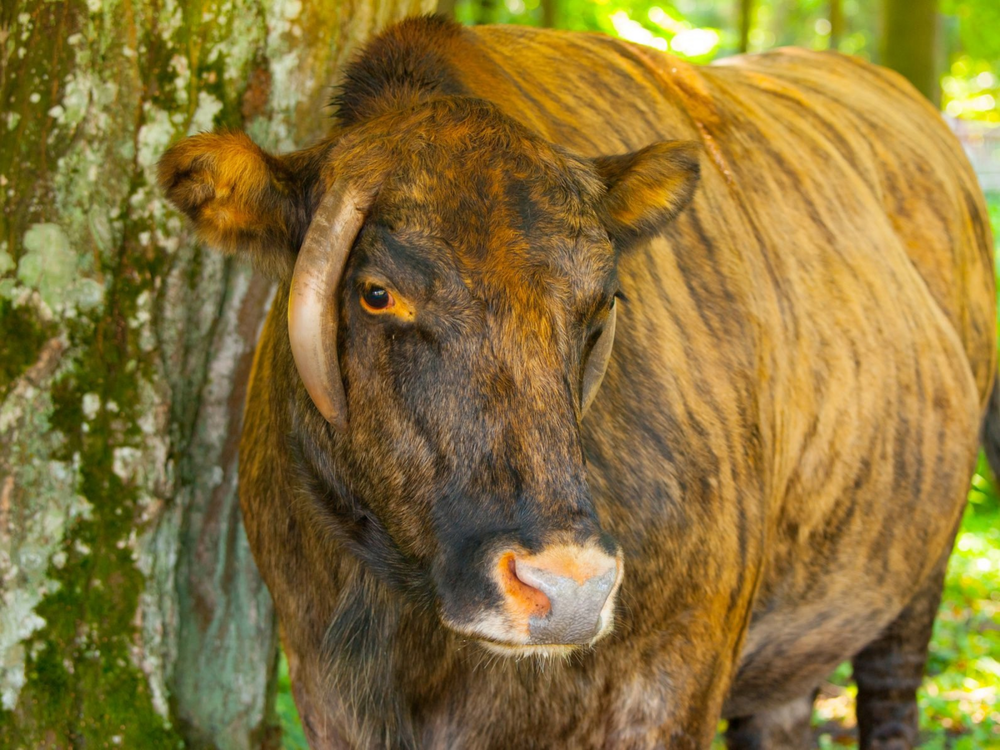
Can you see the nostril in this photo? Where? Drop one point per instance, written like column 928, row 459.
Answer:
column 527, row 598
column 561, row 595
column 578, row 583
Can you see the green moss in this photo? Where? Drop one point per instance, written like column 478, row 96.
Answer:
column 23, row 336
column 82, row 683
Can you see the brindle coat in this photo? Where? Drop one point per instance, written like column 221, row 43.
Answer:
column 782, row 443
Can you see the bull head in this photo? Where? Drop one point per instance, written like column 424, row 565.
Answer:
column 488, row 493
column 312, row 325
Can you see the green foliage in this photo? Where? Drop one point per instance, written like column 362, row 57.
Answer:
column 977, row 25
column 806, row 23
column 700, row 31
column 971, row 89
column 692, row 30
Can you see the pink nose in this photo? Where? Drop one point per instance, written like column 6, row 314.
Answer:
column 564, row 593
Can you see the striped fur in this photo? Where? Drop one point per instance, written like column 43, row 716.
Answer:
column 784, row 437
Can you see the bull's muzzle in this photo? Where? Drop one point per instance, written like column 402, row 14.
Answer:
column 564, row 595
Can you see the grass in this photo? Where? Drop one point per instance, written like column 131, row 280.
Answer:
column 292, row 736
column 960, row 698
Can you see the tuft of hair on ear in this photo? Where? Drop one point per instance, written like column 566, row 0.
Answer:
column 241, row 200
column 646, row 189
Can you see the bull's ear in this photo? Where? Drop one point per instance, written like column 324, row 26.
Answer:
column 241, row 199
column 647, row 189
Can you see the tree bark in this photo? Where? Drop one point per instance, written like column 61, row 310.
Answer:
column 746, row 24
column 131, row 612
column 910, row 43
column 550, row 13
column 836, row 23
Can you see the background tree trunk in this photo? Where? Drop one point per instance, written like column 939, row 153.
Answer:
column 746, row 24
column 836, row 23
column 910, row 43
column 550, row 13
column 131, row 612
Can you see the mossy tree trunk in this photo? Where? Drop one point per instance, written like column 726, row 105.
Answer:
column 131, row 613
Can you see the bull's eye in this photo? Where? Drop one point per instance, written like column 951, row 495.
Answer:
column 376, row 299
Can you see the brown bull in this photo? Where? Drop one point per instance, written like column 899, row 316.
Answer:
column 769, row 479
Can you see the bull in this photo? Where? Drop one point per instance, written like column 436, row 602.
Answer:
column 615, row 395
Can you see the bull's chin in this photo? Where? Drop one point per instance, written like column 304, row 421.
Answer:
column 545, row 651
column 492, row 637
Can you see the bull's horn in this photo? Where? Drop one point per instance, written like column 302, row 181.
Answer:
column 313, row 303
